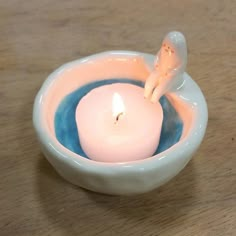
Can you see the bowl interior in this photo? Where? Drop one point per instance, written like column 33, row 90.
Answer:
column 67, row 79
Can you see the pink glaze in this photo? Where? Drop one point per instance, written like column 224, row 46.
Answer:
column 105, row 137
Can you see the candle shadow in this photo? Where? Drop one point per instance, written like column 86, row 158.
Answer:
column 67, row 205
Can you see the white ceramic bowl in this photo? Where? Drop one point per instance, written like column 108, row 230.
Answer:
column 117, row 178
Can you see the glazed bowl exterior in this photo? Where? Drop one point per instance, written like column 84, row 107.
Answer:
column 117, row 178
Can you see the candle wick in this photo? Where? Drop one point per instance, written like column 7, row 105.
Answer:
column 117, row 117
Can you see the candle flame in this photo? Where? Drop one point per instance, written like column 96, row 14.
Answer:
column 118, row 107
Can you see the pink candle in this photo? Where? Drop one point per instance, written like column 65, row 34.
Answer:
column 116, row 124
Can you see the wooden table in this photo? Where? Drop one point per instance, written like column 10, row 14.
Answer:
column 38, row 36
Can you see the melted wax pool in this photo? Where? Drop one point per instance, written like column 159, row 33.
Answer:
column 66, row 128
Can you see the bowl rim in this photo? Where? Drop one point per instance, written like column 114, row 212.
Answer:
column 186, row 145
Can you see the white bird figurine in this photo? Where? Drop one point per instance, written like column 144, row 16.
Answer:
column 169, row 67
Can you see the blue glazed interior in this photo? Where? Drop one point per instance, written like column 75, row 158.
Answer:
column 66, row 128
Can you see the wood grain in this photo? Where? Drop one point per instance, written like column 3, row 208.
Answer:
column 38, row 36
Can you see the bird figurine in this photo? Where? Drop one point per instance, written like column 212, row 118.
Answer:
column 169, row 67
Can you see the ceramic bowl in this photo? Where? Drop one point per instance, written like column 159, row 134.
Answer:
column 117, row 178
